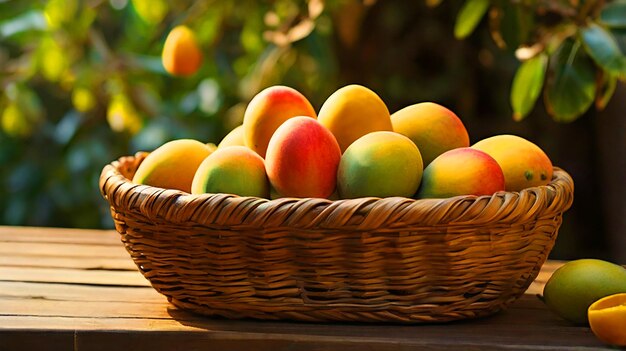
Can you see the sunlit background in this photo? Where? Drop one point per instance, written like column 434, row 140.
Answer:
column 81, row 84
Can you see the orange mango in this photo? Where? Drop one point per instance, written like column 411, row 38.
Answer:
column 353, row 111
column 524, row 164
column 181, row 54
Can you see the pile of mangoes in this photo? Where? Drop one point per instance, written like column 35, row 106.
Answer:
column 353, row 147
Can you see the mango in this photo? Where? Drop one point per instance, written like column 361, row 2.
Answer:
column 233, row 138
column 380, row 164
column 172, row 165
column 212, row 147
column 353, row 111
column 607, row 319
column 573, row 287
column 524, row 164
column 232, row 170
column 432, row 127
column 181, row 54
column 302, row 159
column 268, row 110
column 462, row 171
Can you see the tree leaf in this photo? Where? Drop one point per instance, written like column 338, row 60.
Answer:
column 570, row 88
column 614, row 14
column 516, row 24
column 603, row 48
column 469, row 16
column 605, row 89
column 527, row 85
column 620, row 37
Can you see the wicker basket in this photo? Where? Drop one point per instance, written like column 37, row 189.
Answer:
column 364, row 260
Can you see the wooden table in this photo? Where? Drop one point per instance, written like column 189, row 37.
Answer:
column 68, row 289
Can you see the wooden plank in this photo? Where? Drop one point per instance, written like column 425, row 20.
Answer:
column 72, row 236
column 34, row 295
column 543, row 322
column 51, row 231
column 49, row 323
column 120, row 308
column 536, row 327
column 71, row 289
column 536, row 287
column 36, row 340
column 95, row 309
column 69, row 292
column 550, row 266
column 527, row 311
column 62, row 250
column 248, row 333
column 421, row 340
column 89, row 263
column 219, row 340
column 155, row 341
column 72, row 276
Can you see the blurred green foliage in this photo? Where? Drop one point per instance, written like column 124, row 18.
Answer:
column 83, row 84
column 81, row 81
column 581, row 45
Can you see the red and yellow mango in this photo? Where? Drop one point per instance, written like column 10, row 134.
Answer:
column 232, row 170
column 268, row 110
column 462, row 171
column 302, row 159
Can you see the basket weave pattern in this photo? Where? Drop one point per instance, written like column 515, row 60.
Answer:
column 366, row 260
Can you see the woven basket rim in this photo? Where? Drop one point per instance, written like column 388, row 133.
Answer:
column 558, row 195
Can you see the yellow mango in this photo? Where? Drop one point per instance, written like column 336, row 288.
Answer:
column 172, row 165
column 353, row 111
